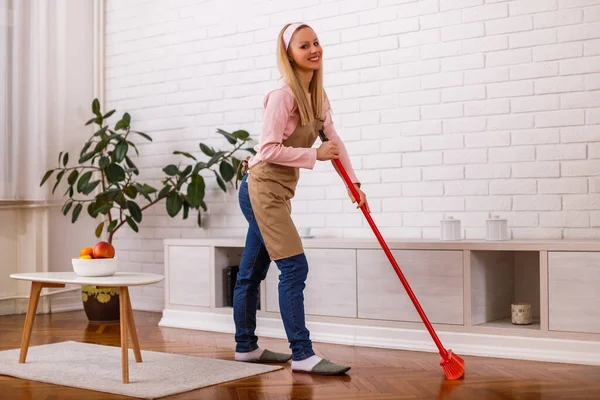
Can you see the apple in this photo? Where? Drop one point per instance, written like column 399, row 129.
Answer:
column 104, row 250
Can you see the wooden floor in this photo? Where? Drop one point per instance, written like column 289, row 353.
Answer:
column 375, row 374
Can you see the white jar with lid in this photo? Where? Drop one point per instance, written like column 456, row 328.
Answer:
column 496, row 228
column 450, row 229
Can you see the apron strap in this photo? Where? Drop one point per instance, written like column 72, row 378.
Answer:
column 243, row 166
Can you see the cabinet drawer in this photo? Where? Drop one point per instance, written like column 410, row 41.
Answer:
column 330, row 287
column 188, row 275
column 573, row 295
column 435, row 276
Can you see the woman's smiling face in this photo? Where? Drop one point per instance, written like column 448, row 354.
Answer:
column 305, row 50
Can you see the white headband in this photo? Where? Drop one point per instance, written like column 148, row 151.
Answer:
column 289, row 32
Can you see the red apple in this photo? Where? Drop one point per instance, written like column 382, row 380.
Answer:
column 104, row 250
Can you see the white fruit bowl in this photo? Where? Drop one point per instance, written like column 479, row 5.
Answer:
column 95, row 266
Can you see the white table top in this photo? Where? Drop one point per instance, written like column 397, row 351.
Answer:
column 118, row 279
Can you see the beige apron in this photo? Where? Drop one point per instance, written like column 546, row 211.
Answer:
column 271, row 187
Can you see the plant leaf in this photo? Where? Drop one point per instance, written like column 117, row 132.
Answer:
column 112, row 225
column 142, row 134
column 250, row 150
column 230, row 138
column 226, row 170
column 58, row 178
column 101, row 132
column 46, row 176
column 101, row 145
column 114, row 173
column 99, row 229
column 104, row 161
column 241, row 134
column 145, row 188
column 73, row 177
column 131, row 223
column 131, row 191
column 67, row 207
column 214, row 158
column 183, row 153
column 108, row 114
column 171, row 170
column 123, row 122
column 174, row 204
column 96, row 107
column 92, row 209
column 207, row 150
column 186, row 171
column 86, row 146
column 220, row 182
column 76, row 212
column 135, row 211
column 195, row 191
column 65, row 159
column 186, row 209
column 84, row 179
column 120, row 151
column 131, row 165
column 198, row 167
column 89, row 188
column 163, row 192
column 134, row 147
column 199, row 218
column 90, row 121
column 86, row 157
column 203, row 205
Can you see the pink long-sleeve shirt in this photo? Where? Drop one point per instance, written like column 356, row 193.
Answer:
column 280, row 118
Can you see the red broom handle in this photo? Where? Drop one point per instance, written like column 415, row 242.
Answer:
column 388, row 253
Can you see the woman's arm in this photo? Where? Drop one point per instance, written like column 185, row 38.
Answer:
column 279, row 105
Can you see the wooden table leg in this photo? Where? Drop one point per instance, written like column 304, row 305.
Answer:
column 132, row 331
column 34, row 297
column 123, row 324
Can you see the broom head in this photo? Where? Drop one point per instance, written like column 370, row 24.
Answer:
column 453, row 366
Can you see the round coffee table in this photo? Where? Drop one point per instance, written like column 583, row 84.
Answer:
column 122, row 280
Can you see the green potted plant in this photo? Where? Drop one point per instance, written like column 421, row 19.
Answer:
column 103, row 181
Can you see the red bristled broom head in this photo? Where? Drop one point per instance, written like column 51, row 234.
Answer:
column 453, row 366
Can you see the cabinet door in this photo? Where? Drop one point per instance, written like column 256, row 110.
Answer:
column 435, row 276
column 573, row 296
column 330, row 286
column 189, row 275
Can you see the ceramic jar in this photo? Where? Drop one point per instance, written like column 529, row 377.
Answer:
column 496, row 228
column 521, row 313
column 450, row 229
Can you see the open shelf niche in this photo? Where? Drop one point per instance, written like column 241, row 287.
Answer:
column 499, row 279
column 226, row 257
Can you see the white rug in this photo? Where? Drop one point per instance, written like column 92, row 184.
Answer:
column 95, row 367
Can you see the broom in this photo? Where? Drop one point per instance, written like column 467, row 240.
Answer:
column 452, row 365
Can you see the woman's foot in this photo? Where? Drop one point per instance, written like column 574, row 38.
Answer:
column 262, row 356
column 318, row 366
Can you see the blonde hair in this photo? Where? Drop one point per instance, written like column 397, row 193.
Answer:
column 309, row 111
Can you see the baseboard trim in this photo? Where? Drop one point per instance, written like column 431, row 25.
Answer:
column 512, row 347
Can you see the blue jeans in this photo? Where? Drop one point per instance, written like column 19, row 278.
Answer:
column 253, row 269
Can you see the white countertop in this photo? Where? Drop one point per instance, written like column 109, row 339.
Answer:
column 410, row 244
column 118, row 279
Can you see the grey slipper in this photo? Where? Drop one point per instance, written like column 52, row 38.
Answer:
column 269, row 356
column 325, row 367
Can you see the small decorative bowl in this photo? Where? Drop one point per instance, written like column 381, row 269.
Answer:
column 95, row 266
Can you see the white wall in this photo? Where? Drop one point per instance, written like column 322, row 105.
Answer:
column 448, row 107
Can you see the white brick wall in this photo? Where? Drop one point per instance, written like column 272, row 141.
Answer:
column 447, row 107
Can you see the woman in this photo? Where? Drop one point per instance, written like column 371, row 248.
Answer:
column 293, row 114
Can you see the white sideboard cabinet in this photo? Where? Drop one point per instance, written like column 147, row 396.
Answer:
column 353, row 295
